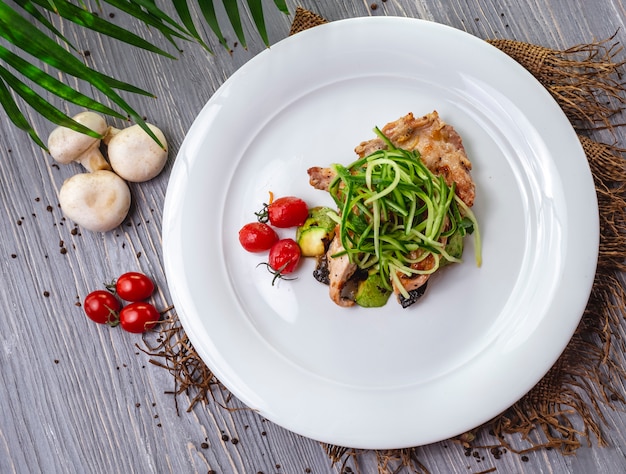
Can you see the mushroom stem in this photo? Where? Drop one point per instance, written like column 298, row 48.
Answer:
column 110, row 133
column 93, row 160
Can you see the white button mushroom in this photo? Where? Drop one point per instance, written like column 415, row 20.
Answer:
column 134, row 155
column 97, row 201
column 66, row 145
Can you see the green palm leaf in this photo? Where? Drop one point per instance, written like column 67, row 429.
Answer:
column 208, row 11
column 149, row 14
column 53, row 85
column 27, row 39
column 281, row 5
column 256, row 10
column 182, row 8
column 44, row 107
column 40, row 46
column 15, row 114
column 155, row 15
column 87, row 19
column 28, row 6
column 232, row 10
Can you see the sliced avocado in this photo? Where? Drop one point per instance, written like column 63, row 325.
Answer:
column 320, row 217
column 317, row 231
column 371, row 292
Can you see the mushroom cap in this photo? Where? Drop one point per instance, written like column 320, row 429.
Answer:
column 97, row 201
column 66, row 145
column 134, row 155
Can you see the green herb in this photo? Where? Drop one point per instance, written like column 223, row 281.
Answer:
column 396, row 213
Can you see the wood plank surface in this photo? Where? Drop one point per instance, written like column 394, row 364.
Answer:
column 78, row 398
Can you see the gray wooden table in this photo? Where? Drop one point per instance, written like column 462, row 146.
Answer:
column 76, row 397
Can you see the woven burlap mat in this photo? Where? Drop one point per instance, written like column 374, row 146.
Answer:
column 567, row 405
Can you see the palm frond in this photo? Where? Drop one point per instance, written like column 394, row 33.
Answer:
column 182, row 9
column 44, row 107
column 20, row 33
column 87, row 19
column 232, row 10
column 27, row 38
column 208, row 11
column 54, row 85
column 256, row 10
column 15, row 114
column 150, row 15
column 282, row 6
column 29, row 7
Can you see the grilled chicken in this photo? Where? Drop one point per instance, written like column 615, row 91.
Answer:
column 320, row 178
column 339, row 272
column 413, row 282
column 440, row 147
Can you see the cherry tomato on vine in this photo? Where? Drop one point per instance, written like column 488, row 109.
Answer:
column 134, row 286
column 102, row 307
column 138, row 317
column 284, row 256
column 288, row 211
column 257, row 237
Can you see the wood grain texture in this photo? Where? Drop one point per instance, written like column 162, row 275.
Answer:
column 79, row 398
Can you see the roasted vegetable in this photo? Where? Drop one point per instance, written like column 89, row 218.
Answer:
column 316, row 232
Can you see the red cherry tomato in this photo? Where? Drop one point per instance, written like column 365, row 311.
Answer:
column 134, row 286
column 284, row 256
column 138, row 317
column 102, row 306
column 288, row 211
column 257, row 237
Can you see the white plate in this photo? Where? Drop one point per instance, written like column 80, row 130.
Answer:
column 381, row 378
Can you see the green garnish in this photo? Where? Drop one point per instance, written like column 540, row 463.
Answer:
column 395, row 212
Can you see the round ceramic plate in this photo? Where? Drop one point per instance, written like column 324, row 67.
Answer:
column 388, row 377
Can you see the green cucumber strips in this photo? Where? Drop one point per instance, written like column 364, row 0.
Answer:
column 395, row 213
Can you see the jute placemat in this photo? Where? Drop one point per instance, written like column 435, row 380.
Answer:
column 567, row 405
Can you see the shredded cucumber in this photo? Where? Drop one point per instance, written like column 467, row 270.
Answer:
column 395, row 212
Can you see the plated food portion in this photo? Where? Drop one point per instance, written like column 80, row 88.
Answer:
column 403, row 210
